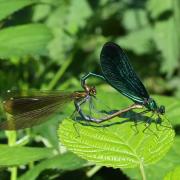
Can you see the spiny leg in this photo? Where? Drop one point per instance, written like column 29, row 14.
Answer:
column 140, row 122
column 91, row 106
column 135, row 125
column 148, row 123
column 168, row 122
column 159, row 121
column 77, row 110
column 73, row 116
column 83, row 116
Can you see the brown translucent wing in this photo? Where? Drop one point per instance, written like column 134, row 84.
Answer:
column 32, row 108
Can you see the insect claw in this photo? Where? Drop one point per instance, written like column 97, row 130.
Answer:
column 132, row 126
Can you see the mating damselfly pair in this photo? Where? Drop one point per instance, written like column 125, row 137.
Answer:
column 33, row 108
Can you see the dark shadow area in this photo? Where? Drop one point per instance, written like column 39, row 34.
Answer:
column 177, row 129
column 104, row 173
column 4, row 174
column 165, row 15
column 130, row 116
column 109, row 173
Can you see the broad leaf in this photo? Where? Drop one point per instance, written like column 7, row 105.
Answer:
column 13, row 156
column 9, row 7
column 156, row 7
column 73, row 17
column 31, row 39
column 172, row 108
column 142, row 36
column 173, row 175
column 167, row 42
column 121, row 145
column 169, row 162
column 117, row 146
column 134, row 19
column 67, row 161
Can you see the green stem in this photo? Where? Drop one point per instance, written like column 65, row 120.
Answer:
column 93, row 170
column 141, row 167
column 11, row 142
column 13, row 173
column 60, row 73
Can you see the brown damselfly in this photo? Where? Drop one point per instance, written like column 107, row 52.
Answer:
column 32, row 108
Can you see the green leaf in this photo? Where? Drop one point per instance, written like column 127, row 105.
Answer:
column 31, row 39
column 80, row 139
column 173, row 175
column 13, row 156
column 172, row 108
column 9, row 7
column 41, row 11
column 73, row 17
column 156, row 7
column 166, row 39
column 117, row 146
column 77, row 16
column 169, row 162
column 141, row 37
column 134, row 19
column 61, row 39
column 67, row 161
column 86, row 141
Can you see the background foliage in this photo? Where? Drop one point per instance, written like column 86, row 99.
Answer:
column 50, row 44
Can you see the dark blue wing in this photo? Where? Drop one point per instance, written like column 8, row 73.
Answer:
column 119, row 73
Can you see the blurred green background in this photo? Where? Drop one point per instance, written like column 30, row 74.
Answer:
column 50, row 44
column 149, row 31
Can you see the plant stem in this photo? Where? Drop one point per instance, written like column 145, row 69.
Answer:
column 93, row 170
column 141, row 167
column 13, row 173
column 11, row 142
column 60, row 72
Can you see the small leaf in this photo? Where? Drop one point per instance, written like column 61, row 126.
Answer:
column 9, row 7
column 142, row 38
column 172, row 108
column 134, row 19
column 156, row 7
column 31, row 39
column 167, row 42
column 173, row 175
column 169, row 162
column 13, row 156
column 117, row 146
column 41, row 11
column 73, row 17
column 67, row 161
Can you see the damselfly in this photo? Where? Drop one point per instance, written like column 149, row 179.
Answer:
column 118, row 72
column 31, row 108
